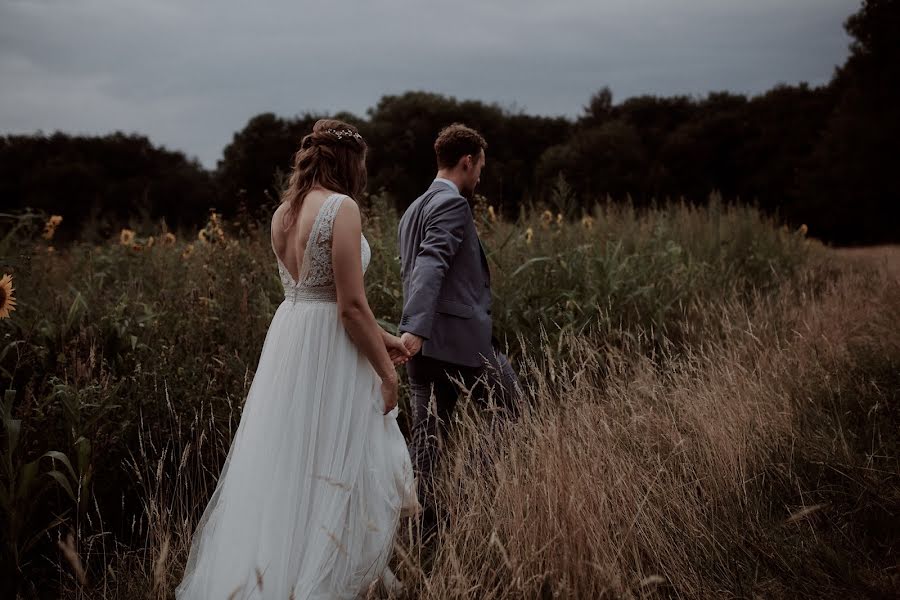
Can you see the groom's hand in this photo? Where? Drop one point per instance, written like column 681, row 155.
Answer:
column 412, row 342
column 396, row 349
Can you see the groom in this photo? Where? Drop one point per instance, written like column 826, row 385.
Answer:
column 446, row 320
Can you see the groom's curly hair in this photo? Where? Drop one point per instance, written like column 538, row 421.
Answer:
column 332, row 156
column 456, row 141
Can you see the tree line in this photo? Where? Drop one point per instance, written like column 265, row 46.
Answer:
column 823, row 156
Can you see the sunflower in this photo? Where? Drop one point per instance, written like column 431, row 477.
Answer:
column 126, row 237
column 7, row 299
column 50, row 227
column 546, row 219
column 213, row 228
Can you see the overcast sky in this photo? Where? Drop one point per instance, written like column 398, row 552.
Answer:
column 189, row 73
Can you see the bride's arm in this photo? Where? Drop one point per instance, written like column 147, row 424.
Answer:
column 356, row 315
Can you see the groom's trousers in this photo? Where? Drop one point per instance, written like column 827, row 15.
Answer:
column 433, row 398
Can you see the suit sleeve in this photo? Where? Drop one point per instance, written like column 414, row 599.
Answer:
column 444, row 231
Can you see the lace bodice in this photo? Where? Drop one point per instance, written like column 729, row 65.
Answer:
column 316, row 281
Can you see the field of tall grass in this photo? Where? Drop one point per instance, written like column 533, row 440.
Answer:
column 712, row 407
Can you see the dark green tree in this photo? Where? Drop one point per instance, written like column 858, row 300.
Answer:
column 849, row 190
column 102, row 180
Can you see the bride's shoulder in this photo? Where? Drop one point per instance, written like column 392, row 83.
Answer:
column 347, row 216
column 346, row 204
column 278, row 214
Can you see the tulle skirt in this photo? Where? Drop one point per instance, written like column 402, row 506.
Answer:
column 316, row 479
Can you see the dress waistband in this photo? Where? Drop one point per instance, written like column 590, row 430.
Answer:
column 311, row 294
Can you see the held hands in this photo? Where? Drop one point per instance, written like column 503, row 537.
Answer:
column 396, row 349
column 400, row 349
column 411, row 342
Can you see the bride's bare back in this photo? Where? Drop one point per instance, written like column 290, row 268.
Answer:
column 289, row 240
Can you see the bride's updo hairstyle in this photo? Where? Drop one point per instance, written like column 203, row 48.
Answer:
column 333, row 156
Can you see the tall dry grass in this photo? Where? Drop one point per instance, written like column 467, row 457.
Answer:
column 703, row 477
column 760, row 463
column 713, row 409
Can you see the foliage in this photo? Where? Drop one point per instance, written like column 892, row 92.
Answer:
column 151, row 328
column 97, row 184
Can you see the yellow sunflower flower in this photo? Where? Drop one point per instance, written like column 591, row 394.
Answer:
column 126, row 237
column 7, row 299
column 213, row 228
column 50, row 227
column 546, row 219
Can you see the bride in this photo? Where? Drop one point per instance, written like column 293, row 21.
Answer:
column 318, row 473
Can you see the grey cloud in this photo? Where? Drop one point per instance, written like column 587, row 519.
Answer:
column 189, row 73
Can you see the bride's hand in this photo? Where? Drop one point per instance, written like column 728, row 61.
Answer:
column 390, row 390
column 396, row 349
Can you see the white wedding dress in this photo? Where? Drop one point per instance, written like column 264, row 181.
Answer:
column 317, row 477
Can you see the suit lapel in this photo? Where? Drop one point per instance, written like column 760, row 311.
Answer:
column 439, row 186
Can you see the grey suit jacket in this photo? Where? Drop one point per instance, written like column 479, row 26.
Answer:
column 446, row 278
